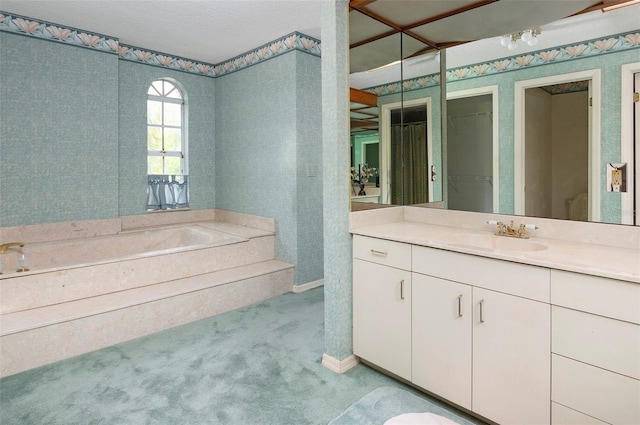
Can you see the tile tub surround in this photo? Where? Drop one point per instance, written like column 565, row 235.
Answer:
column 605, row 250
column 100, row 304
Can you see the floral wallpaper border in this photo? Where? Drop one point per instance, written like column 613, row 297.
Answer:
column 600, row 46
column 76, row 37
column 53, row 32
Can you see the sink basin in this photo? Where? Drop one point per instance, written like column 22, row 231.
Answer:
column 497, row 243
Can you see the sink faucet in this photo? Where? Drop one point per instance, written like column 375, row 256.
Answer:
column 5, row 246
column 510, row 231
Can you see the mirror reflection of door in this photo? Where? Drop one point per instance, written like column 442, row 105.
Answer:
column 557, row 151
column 364, row 146
column 470, row 153
column 371, row 155
column 409, row 142
column 636, row 142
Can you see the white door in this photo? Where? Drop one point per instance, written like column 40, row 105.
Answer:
column 511, row 358
column 441, row 343
column 382, row 316
column 636, row 138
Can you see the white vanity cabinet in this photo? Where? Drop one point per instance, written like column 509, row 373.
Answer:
column 382, row 304
column 441, row 338
column 511, row 359
column 596, row 350
column 495, row 340
column 473, row 330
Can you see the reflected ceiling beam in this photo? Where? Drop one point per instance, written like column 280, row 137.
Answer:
column 608, row 5
column 355, row 4
column 364, row 124
column 363, row 97
column 374, row 38
column 360, row 6
column 449, row 14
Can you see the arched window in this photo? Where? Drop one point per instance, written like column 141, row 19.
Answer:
column 166, row 146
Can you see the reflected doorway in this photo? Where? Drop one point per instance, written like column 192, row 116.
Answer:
column 635, row 207
column 406, row 152
column 409, row 156
column 472, row 150
column 557, row 147
column 557, row 151
column 470, row 153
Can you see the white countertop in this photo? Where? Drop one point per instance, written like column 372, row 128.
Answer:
column 598, row 260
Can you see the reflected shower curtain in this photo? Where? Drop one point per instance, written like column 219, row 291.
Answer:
column 409, row 164
column 167, row 192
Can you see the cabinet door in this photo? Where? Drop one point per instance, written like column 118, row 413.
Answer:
column 441, row 338
column 382, row 316
column 511, row 358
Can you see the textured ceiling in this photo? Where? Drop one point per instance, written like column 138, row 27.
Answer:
column 211, row 31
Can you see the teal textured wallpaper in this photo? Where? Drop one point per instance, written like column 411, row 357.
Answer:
column 310, row 168
column 267, row 138
column 59, row 132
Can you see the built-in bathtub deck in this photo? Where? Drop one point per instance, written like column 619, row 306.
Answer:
column 32, row 334
column 35, row 318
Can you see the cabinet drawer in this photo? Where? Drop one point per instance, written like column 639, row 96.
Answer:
column 607, row 297
column 503, row 276
column 561, row 415
column 381, row 251
column 604, row 395
column 607, row 343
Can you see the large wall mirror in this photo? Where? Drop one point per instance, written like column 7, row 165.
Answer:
column 532, row 125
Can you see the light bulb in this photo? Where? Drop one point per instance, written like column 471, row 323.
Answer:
column 533, row 41
column 504, row 40
column 512, row 45
column 526, row 36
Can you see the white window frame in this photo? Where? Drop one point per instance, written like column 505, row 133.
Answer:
column 183, row 130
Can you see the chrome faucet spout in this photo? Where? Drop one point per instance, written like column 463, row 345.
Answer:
column 5, row 246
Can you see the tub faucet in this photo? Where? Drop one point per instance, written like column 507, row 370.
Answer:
column 5, row 246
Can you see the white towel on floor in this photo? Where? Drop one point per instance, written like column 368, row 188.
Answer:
column 420, row 419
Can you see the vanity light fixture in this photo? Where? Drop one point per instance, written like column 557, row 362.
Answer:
column 529, row 36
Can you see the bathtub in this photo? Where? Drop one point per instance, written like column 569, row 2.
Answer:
column 82, row 252
column 73, row 269
column 89, row 292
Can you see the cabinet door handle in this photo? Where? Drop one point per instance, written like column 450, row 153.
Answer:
column 402, row 289
column 380, row 253
column 460, row 305
column 481, row 311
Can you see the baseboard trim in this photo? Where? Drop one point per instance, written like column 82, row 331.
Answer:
column 306, row 286
column 339, row 366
